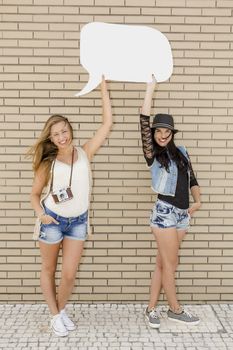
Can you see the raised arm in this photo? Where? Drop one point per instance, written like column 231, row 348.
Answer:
column 150, row 88
column 146, row 134
column 92, row 145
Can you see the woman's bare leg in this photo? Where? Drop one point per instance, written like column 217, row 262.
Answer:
column 71, row 256
column 49, row 255
column 166, row 263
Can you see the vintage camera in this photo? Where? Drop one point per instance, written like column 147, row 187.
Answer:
column 62, row 195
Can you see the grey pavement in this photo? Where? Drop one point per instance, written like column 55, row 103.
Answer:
column 115, row 327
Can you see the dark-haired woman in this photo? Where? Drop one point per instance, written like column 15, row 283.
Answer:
column 63, row 212
column 172, row 177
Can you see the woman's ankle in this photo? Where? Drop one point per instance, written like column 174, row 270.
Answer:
column 176, row 309
column 151, row 307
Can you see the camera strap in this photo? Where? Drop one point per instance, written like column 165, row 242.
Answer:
column 71, row 172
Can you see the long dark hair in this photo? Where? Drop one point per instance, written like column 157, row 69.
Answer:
column 164, row 155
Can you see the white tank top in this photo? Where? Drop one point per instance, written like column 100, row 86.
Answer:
column 80, row 186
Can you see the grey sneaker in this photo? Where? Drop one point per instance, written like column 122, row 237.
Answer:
column 183, row 317
column 153, row 318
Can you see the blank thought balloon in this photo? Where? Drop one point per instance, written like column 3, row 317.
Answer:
column 123, row 53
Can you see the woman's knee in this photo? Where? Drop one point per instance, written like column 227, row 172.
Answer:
column 166, row 261
column 68, row 277
column 170, row 265
column 48, row 269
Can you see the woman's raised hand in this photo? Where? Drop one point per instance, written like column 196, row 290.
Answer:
column 151, row 85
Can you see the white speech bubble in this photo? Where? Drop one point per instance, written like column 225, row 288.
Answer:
column 123, row 53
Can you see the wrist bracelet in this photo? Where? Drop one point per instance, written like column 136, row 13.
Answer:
column 42, row 214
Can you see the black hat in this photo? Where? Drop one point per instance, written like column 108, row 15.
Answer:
column 163, row 120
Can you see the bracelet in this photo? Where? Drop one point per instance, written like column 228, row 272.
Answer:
column 42, row 214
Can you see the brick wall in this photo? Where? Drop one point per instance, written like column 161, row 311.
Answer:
column 39, row 74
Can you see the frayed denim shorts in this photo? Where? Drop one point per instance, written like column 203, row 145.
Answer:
column 165, row 215
column 73, row 228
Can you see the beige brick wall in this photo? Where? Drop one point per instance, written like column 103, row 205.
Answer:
column 39, row 74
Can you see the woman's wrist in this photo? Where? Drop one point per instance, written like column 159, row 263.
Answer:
column 197, row 204
column 41, row 214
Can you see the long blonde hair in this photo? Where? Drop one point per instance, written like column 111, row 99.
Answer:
column 44, row 151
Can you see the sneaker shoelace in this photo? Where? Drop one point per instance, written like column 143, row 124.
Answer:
column 153, row 313
column 187, row 313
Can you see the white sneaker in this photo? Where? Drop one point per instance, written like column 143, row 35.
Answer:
column 58, row 326
column 67, row 321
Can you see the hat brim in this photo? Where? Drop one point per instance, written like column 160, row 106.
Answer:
column 175, row 131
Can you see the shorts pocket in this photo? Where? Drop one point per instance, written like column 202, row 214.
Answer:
column 46, row 225
column 82, row 218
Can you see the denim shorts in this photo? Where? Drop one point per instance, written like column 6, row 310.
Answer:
column 73, row 228
column 165, row 215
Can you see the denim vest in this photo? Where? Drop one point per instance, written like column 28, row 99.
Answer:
column 164, row 182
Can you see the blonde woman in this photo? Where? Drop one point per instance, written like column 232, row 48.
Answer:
column 63, row 212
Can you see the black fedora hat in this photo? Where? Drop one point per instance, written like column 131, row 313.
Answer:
column 163, row 120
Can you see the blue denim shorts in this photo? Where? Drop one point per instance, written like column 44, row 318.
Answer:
column 165, row 215
column 73, row 228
